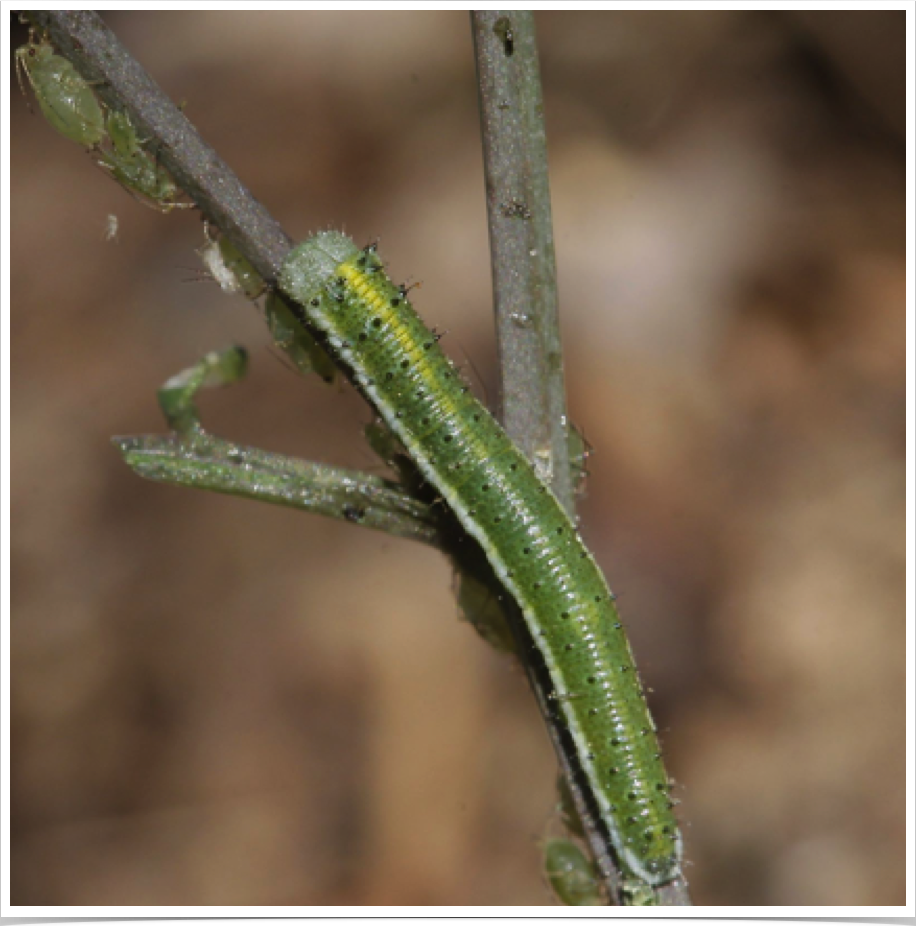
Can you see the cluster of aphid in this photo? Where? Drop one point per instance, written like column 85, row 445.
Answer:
column 71, row 107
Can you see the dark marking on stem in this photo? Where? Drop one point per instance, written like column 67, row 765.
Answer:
column 503, row 31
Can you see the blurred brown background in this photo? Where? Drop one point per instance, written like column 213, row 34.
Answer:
column 216, row 702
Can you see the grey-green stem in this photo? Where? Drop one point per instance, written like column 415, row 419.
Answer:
column 203, row 461
column 532, row 394
column 526, row 305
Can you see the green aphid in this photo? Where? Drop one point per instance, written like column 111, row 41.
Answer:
column 482, row 603
column 247, row 280
column 387, row 447
column 66, row 100
column 138, row 171
column 229, row 269
column 292, row 338
column 571, row 874
column 579, row 451
column 636, row 893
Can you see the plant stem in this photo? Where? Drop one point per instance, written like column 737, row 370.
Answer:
column 203, row 461
column 527, row 322
column 533, row 396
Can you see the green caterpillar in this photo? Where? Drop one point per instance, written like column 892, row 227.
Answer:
column 530, row 542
